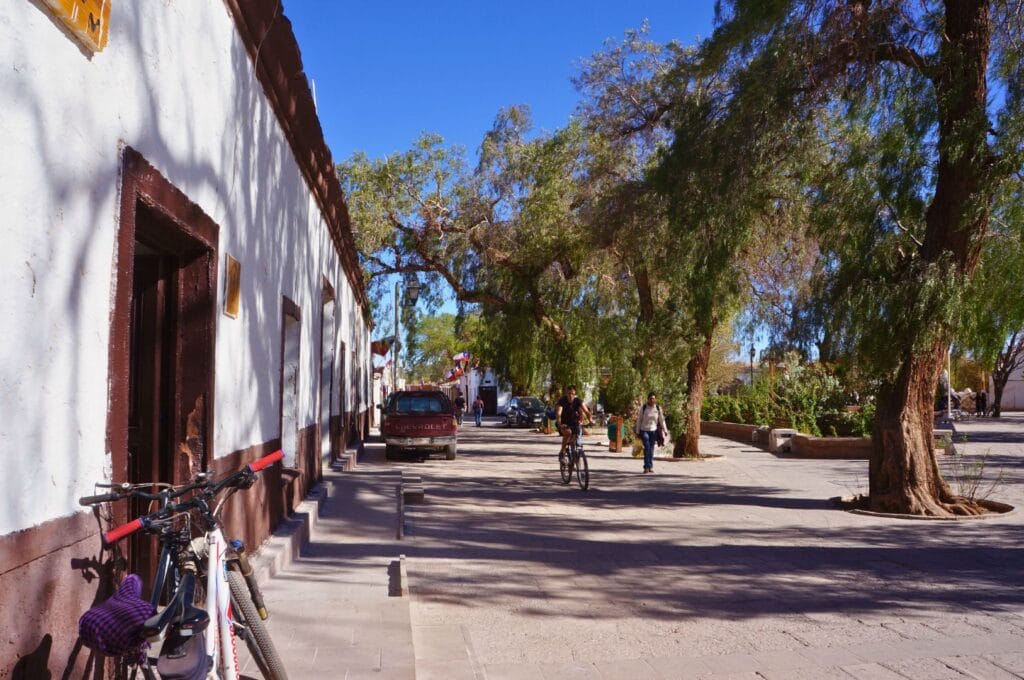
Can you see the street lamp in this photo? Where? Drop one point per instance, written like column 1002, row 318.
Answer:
column 394, row 356
column 412, row 294
column 412, row 290
column 752, row 353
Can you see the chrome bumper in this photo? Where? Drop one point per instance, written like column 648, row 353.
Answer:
column 412, row 442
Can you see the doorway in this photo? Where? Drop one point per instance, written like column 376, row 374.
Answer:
column 489, row 395
column 160, row 421
column 328, row 386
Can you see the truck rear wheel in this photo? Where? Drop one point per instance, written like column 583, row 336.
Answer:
column 449, row 452
column 390, row 452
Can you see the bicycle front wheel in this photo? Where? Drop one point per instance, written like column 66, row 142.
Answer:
column 257, row 639
column 565, row 467
column 582, row 470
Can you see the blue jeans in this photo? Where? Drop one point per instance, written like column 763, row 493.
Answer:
column 477, row 415
column 650, row 439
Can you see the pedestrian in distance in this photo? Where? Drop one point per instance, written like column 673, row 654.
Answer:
column 460, row 407
column 650, row 427
column 981, row 403
column 478, row 410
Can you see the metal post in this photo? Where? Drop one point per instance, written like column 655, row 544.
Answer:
column 949, row 382
column 752, row 352
column 394, row 355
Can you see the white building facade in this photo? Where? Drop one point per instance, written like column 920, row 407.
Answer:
column 182, row 288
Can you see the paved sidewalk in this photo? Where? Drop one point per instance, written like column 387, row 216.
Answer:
column 333, row 610
column 733, row 568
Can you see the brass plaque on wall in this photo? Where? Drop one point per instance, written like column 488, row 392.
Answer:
column 232, row 286
column 88, row 20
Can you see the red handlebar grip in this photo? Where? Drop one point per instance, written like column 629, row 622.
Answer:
column 266, row 461
column 115, row 535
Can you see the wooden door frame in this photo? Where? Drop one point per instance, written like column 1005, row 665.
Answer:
column 195, row 236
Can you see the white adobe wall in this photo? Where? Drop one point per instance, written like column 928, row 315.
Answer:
column 176, row 84
column 1013, row 393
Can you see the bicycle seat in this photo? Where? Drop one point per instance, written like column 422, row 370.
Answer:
column 183, row 657
column 190, row 619
column 193, row 620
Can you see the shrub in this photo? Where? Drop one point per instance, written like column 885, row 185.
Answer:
column 809, row 398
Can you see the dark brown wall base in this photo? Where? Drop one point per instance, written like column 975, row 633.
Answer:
column 49, row 575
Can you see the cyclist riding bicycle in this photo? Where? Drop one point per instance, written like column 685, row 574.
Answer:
column 569, row 412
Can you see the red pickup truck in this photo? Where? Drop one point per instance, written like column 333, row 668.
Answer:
column 420, row 420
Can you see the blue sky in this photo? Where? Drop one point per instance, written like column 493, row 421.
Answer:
column 386, row 71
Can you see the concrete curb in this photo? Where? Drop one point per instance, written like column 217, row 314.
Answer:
column 287, row 543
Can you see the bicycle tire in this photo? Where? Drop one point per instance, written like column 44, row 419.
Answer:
column 564, row 466
column 582, row 470
column 255, row 633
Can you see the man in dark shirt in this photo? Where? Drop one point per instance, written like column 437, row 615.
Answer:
column 460, row 407
column 569, row 412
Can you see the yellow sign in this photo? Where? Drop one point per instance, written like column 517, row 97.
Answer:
column 89, row 20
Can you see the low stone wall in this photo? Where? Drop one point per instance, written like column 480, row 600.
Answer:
column 735, row 431
column 845, row 448
column 804, row 445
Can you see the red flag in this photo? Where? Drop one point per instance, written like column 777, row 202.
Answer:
column 382, row 346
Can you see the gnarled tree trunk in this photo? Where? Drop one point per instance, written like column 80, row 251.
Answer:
column 688, row 446
column 904, row 476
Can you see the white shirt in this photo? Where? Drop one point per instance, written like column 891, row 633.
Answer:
column 651, row 418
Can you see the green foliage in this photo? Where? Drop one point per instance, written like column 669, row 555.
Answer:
column 808, row 398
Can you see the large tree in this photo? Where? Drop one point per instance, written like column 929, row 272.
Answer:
column 993, row 306
column 505, row 235
column 933, row 63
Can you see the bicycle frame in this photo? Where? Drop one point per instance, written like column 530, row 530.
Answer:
column 185, row 555
column 221, row 642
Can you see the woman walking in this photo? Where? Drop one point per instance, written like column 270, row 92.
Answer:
column 650, row 427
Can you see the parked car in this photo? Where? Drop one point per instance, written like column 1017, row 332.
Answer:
column 527, row 411
column 418, row 420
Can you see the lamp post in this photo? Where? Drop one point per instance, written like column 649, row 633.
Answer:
column 394, row 355
column 752, row 353
column 412, row 294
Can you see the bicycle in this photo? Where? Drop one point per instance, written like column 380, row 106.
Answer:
column 573, row 457
column 191, row 648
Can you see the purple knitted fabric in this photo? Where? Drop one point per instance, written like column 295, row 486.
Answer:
column 115, row 627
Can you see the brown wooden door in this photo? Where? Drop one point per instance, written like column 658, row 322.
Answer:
column 150, row 384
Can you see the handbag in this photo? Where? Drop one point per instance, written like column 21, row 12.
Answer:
column 661, row 437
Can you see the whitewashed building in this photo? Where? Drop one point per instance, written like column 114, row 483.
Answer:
column 1013, row 392
column 181, row 287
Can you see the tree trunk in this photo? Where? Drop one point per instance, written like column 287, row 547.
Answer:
column 904, row 477
column 996, row 407
column 688, row 446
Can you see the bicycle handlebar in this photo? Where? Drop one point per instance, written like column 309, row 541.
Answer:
column 100, row 498
column 241, row 479
column 266, row 461
column 115, row 535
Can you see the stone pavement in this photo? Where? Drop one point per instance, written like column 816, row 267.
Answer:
column 736, row 567
column 335, row 610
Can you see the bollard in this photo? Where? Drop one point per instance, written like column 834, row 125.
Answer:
column 615, row 443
